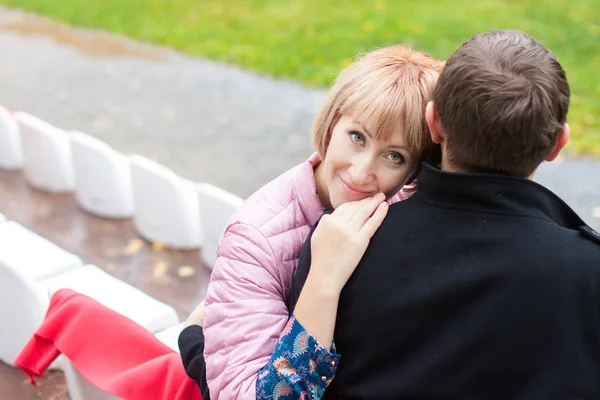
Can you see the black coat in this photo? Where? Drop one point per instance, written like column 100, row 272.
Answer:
column 478, row 287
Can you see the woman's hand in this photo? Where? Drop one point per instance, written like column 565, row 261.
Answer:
column 337, row 245
column 341, row 239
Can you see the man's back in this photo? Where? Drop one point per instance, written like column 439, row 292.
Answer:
column 478, row 287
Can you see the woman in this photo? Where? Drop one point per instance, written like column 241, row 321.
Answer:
column 370, row 137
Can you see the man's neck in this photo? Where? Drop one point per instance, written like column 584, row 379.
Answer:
column 447, row 166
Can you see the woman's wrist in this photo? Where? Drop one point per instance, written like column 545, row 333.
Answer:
column 323, row 283
column 316, row 309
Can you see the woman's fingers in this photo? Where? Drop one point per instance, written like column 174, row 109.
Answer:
column 340, row 239
column 372, row 224
column 363, row 211
column 352, row 216
column 342, row 209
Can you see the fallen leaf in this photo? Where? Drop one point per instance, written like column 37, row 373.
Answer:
column 133, row 247
column 157, row 246
column 186, row 271
column 160, row 269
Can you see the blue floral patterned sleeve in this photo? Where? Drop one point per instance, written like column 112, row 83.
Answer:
column 300, row 368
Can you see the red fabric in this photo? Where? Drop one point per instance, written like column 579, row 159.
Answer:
column 110, row 350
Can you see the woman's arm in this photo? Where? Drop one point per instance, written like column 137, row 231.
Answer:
column 245, row 312
column 270, row 377
column 244, row 316
column 337, row 245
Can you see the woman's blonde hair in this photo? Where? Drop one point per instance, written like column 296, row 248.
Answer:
column 390, row 85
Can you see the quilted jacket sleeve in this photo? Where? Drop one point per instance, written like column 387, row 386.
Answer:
column 245, row 313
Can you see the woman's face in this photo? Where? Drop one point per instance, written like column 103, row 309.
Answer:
column 358, row 166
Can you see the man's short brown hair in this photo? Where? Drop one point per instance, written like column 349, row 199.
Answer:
column 502, row 99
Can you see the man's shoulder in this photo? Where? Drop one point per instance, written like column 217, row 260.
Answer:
column 590, row 234
column 406, row 210
column 413, row 217
column 582, row 245
column 574, row 238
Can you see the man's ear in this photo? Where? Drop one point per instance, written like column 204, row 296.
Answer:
column 561, row 141
column 433, row 122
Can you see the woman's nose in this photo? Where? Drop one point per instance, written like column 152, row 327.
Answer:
column 361, row 171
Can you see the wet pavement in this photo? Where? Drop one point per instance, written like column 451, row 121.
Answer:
column 207, row 121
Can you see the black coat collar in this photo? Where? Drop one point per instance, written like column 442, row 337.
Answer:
column 497, row 194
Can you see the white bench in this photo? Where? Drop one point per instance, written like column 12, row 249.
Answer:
column 120, row 297
column 47, row 151
column 165, row 205
column 117, row 295
column 24, row 304
column 34, row 256
column 102, row 178
column 170, row 336
column 11, row 151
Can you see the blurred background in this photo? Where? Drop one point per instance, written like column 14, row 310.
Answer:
column 225, row 91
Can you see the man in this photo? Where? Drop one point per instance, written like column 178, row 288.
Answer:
column 484, row 284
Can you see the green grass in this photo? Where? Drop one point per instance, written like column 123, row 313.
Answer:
column 311, row 40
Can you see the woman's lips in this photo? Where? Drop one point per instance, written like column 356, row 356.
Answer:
column 353, row 191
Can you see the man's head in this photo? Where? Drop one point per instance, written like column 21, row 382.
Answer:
column 500, row 105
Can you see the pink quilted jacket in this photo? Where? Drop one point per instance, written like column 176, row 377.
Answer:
column 245, row 307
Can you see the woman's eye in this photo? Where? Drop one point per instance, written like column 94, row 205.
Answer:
column 357, row 137
column 396, row 158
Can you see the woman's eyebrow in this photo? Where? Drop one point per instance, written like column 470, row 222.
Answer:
column 394, row 146
column 398, row 146
column 363, row 128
